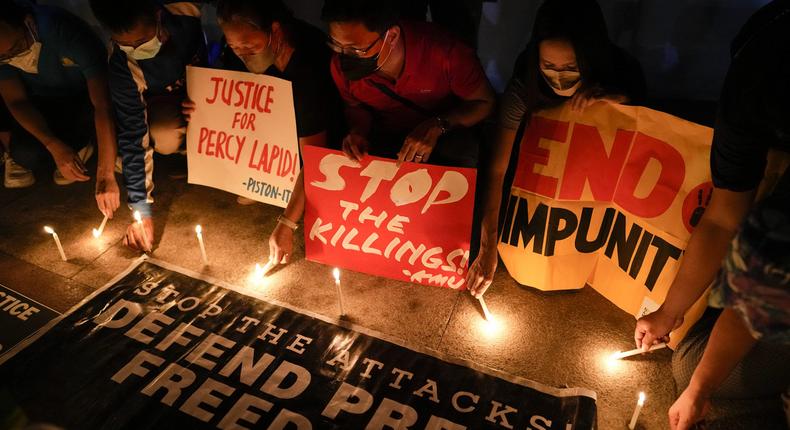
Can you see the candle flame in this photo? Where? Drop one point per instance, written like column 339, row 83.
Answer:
column 336, row 274
column 96, row 233
column 641, row 398
column 137, row 216
column 198, row 229
column 49, row 230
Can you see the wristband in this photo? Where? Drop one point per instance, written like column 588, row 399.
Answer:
column 288, row 223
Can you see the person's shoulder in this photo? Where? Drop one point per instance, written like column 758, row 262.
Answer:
column 768, row 28
column 54, row 19
column 62, row 28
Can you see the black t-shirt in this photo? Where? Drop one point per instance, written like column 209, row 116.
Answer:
column 316, row 100
column 754, row 110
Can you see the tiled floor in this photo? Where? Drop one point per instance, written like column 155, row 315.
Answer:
column 557, row 339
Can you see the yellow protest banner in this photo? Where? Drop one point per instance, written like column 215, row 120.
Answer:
column 607, row 198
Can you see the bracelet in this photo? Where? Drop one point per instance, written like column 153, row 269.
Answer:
column 288, row 223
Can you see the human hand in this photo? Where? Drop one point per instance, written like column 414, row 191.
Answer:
column 688, row 409
column 136, row 240
column 188, row 107
column 281, row 245
column 481, row 274
column 585, row 98
column 355, row 146
column 108, row 195
column 68, row 162
column 420, row 143
column 655, row 328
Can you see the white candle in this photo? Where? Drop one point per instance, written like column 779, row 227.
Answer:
column 336, row 274
column 98, row 232
column 635, row 416
column 199, row 232
column 261, row 272
column 139, row 219
column 486, row 312
column 631, row 353
column 49, row 230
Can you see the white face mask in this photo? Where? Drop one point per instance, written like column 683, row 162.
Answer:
column 146, row 51
column 28, row 60
column 564, row 83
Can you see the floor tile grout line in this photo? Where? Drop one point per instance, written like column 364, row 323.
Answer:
column 449, row 319
column 90, row 263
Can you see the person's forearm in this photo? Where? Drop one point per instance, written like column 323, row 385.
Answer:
column 108, row 147
column 489, row 228
column 702, row 260
column 494, row 182
column 295, row 208
column 469, row 113
column 729, row 342
column 359, row 120
column 26, row 114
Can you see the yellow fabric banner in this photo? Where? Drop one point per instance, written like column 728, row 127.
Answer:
column 607, row 198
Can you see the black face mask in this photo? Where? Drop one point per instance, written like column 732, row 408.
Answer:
column 356, row 68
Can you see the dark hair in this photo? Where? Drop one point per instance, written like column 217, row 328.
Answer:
column 260, row 13
column 13, row 13
column 581, row 23
column 375, row 15
column 121, row 16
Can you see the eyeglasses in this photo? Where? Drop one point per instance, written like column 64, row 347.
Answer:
column 20, row 48
column 350, row 50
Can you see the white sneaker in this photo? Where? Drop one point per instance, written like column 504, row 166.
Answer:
column 17, row 176
column 84, row 154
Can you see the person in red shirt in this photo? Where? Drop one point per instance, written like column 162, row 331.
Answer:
column 411, row 90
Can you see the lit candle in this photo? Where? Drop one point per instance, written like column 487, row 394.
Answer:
column 486, row 312
column 100, row 230
column 49, row 230
column 336, row 274
column 139, row 219
column 261, row 272
column 631, row 353
column 199, row 232
column 639, row 404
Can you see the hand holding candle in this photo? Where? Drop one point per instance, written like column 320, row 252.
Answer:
column 49, row 230
column 199, row 232
column 336, row 274
column 139, row 219
column 98, row 232
column 635, row 416
column 631, row 353
column 261, row 272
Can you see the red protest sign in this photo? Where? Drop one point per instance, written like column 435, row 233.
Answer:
column 411, row 223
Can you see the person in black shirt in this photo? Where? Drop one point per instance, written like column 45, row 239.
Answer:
column 267, row 39
column 740, row 348
column 569, row 59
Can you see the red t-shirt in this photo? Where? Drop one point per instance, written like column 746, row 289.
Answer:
column 439, row 69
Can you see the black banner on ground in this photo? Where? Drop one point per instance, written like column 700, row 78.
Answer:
column 20, row 317
column 160, row 349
